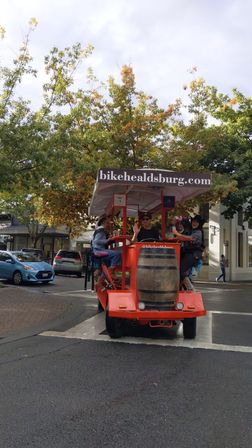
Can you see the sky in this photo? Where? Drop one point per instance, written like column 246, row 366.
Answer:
column 161, row 39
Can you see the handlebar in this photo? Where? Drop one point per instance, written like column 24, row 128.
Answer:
column 119, row 238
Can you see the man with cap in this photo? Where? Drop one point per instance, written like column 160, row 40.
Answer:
column 144, row 231
column 100, row 242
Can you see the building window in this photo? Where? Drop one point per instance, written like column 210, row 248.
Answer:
column 250, row 251
column 240, row 249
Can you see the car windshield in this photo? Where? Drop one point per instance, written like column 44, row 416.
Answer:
column 69, row 254
column 21, row 256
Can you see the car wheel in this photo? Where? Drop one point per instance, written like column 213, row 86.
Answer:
column 79, row 274
column 189, row 328
column 99, row 307
column 17, row 278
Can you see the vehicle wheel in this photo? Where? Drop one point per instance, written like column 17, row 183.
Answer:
column 79, row 275
column 99, row 307
column 17, row 278
column 189, row 328
column 114, row 326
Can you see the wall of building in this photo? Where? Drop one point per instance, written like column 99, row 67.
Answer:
column 233, row 238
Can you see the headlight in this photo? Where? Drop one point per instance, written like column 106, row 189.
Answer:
column 180, row 306
column 27, row 268
column 141, row 305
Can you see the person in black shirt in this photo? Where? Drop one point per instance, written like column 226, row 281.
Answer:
column 144, row 230
column 192, row 250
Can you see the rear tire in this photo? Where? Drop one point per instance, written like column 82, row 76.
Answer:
column 189, row 327
column 17, row 278
column 114, row 326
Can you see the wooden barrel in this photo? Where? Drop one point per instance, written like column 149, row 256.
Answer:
column 157, row 277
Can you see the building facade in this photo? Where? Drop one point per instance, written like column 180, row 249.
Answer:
column 15, row 236
column 233, row 239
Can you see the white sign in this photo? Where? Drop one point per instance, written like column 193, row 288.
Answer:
column 119, row 200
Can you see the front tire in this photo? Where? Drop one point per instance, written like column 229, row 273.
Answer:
column 189, row 327
column 17, row 278
column 114, row 326
column 99, row 307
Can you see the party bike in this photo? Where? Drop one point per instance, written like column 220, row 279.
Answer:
column 147, row 289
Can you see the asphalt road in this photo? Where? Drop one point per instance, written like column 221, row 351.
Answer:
column 228, row 322
column 73, row 386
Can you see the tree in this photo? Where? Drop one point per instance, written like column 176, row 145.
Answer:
column 217, row 138
column 33, row 143
column 133, row 128
column 119, row 128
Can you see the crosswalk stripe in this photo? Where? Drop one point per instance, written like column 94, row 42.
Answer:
column 93, row 328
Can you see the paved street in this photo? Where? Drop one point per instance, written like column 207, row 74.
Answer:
column 64, row 309
column 73, row 386
column 31, row 308
column 226, row 326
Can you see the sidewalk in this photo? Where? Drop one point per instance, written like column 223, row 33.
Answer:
column 23, row 312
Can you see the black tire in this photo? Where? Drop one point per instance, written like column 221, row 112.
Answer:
column 79, row 275
column 114, row 326
column 99, row 307
column 17, row 278
column 189, row 327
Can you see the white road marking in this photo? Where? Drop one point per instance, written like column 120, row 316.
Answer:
column 87, row 294
column 236, row 313
column 216, row 290
column 74, row 291
column 92, row 329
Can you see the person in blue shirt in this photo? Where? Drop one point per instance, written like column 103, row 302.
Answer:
column 100, row 241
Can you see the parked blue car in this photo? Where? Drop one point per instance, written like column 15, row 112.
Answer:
column 21, row 267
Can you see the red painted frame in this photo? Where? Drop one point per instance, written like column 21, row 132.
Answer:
column 123, row 303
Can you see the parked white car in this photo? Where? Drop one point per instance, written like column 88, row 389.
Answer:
column 68, row 262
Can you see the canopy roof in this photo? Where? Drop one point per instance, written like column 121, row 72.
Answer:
column 144, row 187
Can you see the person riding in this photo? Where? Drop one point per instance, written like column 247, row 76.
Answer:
column 100, row 241
column 192, row 249
column 144, row 230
